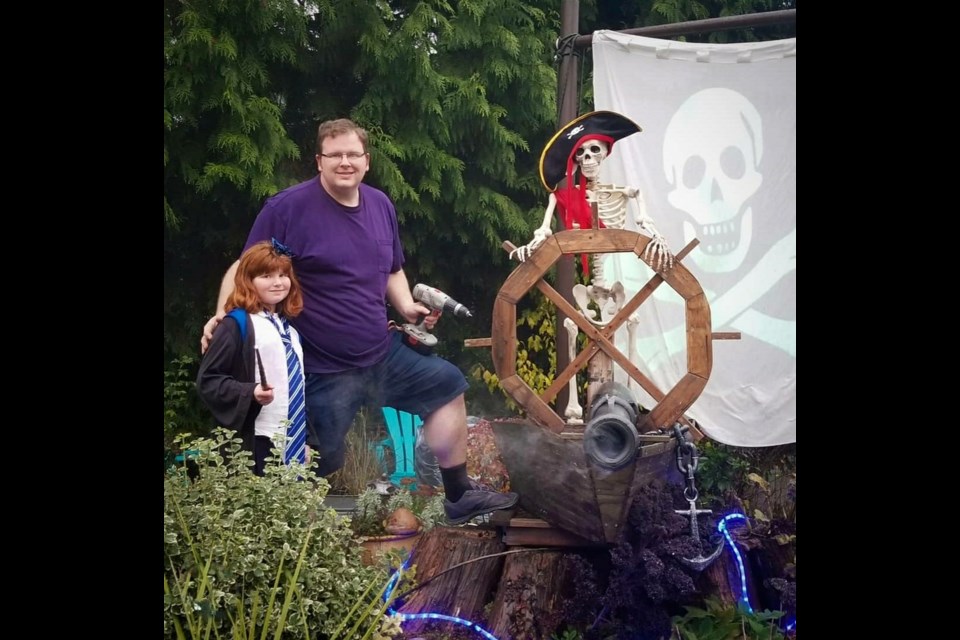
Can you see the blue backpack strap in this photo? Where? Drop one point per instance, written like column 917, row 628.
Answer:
column 240, row 315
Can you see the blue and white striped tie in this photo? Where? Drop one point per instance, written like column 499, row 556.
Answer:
column 295, row 448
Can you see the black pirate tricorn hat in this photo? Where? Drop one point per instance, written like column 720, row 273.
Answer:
column 556, row 161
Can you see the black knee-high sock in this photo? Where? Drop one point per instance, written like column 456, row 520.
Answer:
column 455, row 481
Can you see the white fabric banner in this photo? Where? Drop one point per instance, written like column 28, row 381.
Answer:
column 716, row 161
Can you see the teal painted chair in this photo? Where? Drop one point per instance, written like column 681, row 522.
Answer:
column 403, row 428
column 192, row 453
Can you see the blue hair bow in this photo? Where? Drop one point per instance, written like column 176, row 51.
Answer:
column 281, row 248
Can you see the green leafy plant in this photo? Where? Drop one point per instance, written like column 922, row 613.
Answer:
column 182, row 410
column 720, row 621
column 762, row 478
column 373, row 509
column 248, row 556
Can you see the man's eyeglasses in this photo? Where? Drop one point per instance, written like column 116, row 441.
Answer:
column 349, row 155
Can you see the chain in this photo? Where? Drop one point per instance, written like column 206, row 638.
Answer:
column 687, row 462
column 688, row 459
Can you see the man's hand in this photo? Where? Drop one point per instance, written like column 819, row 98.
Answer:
column 416, row 310
column 208, row 330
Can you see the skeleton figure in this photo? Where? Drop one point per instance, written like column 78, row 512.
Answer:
column 612, row 202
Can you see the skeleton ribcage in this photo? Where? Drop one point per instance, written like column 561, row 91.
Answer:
column 611, row 208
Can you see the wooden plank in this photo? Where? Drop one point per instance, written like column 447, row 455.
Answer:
column 537, row 410
column 562, row 378
column 596, row 240
column 527, row 273
column 648, row 385
column 699, row 336
column 547, row 537
column 530, row 523
column 612, row 490
column 693, row 431
column 726, row 335
column 478, row 342
column 683, row 282
column 645, row 439
column 552, row 476
column 503, row 350
column 678, row 400
column 564, row 306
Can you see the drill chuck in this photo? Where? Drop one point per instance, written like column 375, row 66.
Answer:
column 436, row 299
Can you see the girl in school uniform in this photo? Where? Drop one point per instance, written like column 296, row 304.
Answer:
column 245, row 376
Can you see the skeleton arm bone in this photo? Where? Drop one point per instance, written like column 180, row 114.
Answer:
column 542, row 233
column 657, row 251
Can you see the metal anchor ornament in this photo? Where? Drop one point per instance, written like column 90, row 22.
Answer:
column 687, row 462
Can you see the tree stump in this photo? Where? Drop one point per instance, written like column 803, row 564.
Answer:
column 527, row 603
column 462, row 591
column 722, row 578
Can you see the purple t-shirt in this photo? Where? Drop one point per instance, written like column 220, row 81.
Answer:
column 343, row 256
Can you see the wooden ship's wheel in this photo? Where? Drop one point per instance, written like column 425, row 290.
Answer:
column 545, row 458
column 671, row 405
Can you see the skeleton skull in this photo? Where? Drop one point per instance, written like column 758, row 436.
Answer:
column 590, row 155
column 711, row 152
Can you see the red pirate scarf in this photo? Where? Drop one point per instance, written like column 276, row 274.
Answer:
column 572, row 200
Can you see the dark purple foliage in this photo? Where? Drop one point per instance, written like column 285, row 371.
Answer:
column 633, row 591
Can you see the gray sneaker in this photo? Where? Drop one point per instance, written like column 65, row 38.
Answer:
column 476, row 502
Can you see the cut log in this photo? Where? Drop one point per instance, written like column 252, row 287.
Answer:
column 722, row 579
column 464, row 589
column 527, row 605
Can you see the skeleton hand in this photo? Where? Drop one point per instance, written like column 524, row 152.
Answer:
column 524, row 252
column 658, row 255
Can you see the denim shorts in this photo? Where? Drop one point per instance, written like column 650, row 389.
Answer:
column 405, row 380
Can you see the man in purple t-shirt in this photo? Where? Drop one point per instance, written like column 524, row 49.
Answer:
column 348, row 259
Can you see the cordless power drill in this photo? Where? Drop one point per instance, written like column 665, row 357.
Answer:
column 417, row 337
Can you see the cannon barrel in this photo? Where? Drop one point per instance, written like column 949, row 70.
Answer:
column 610, row 438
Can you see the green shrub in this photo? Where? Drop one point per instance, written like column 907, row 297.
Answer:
column 183, row 411
column 251, row 557
column 726, row 622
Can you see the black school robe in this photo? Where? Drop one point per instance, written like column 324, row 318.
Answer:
column 226, row 381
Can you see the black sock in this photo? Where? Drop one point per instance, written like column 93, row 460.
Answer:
column 455, row 481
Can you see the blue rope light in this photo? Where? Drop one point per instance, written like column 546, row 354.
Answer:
column 439, row 616
column 392, row 584
column 722, row 528
column 791, row 623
